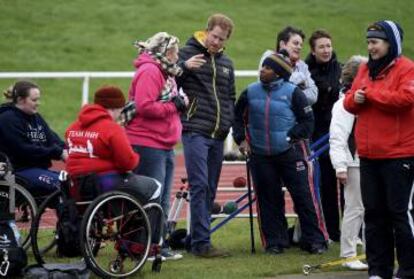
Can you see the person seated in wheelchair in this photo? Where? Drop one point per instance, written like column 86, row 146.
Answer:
column 28, row 141
column 98, row 145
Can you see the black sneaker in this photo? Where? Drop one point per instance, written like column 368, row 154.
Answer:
column 314, row 249
column 274, row 250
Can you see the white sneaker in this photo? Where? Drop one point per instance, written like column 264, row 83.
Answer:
column 169, row 255
column 357, row 265
column 375, row 277
column 152, row 258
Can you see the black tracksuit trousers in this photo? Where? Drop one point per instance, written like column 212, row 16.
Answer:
column 329, row 196
column 270, row 173
column 387, row 193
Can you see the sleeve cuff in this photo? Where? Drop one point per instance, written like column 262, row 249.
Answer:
column 341, row 169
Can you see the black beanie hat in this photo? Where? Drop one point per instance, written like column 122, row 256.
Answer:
column 110, row 97
column 279, row 64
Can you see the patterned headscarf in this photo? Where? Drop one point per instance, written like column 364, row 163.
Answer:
column 156, row 47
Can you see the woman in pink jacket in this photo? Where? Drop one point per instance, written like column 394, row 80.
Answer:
column 156, row 127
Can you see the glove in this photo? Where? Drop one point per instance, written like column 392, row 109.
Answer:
column 299, row 79
column 179, row 103
column 127, row 114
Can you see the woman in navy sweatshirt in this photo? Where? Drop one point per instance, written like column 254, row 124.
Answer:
column 27, row 139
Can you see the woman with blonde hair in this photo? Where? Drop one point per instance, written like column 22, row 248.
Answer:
column 156, row 127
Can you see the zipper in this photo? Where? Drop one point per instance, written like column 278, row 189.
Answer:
column 267, row 109
column 192, row 109
column 216, row 127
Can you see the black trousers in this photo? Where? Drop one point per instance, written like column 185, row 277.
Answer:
column 329, row 197
column 270, row 173
column 387, row 193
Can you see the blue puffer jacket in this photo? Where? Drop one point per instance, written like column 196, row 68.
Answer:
column 271, row 117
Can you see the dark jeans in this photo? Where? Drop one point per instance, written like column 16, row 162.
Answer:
column 387, row 193
column 203, row 161
column 269, row 174
column 158, row 164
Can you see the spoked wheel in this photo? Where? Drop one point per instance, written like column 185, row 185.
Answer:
column 44, row 230
column 118, row 223
column 25, row 210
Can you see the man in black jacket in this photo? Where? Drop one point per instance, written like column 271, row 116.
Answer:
column 208, row 81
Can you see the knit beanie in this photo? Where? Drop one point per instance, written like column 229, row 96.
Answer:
column 391, row 32
column 279, row 64
column 110, row 97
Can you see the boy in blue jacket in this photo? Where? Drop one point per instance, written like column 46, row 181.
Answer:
column 272, row 121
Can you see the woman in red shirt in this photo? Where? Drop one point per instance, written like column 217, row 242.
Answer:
column 382, row 98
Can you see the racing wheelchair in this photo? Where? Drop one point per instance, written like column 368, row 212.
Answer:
column 115, row 228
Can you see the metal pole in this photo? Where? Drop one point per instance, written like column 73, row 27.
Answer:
column 85, row 90
column 249, row 191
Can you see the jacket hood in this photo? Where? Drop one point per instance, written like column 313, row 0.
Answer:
column 90, row 114
column 394, row 35
column 197, row 40
column 7, row 106
column 144, row 58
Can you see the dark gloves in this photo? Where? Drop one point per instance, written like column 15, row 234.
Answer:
column 179, row 103
column 127, row 114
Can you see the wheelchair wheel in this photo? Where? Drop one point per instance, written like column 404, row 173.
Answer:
column 119, row 224
column 43, row 230
column 25, row 211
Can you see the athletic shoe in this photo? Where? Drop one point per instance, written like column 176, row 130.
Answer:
column 152, row 258
column 375, row 277
column 171, row 256
column 356, row 265
column 314, row 248
column 212, row 252
column 274, row 250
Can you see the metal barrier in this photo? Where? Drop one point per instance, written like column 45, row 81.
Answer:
column 86, row 76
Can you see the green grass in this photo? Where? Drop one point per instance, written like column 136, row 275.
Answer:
column 93, row 35
column 235, row 238
column 58, row 35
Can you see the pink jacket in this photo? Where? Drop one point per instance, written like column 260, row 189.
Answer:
column 157, row 124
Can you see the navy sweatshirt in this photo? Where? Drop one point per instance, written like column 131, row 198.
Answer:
column 27, row 139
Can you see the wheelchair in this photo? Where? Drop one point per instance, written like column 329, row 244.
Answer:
column 23, row 203
column 116, row 234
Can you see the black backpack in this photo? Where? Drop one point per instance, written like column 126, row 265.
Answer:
column 68, row 229
column 13, row 258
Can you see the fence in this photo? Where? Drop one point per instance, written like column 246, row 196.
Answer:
column 86, row 76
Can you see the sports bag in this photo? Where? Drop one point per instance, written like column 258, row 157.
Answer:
column 13, row 258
